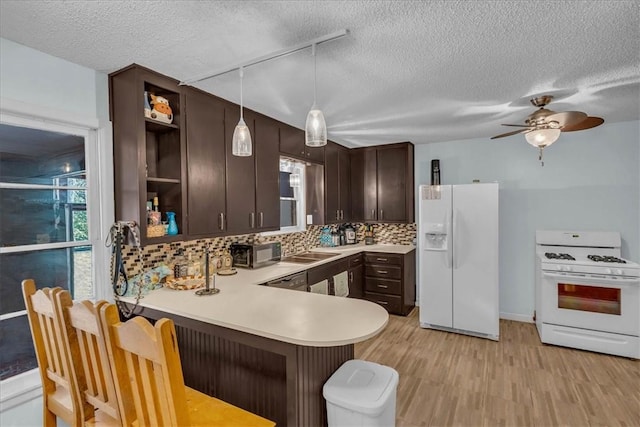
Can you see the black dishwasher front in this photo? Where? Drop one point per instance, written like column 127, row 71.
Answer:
column 294, row 282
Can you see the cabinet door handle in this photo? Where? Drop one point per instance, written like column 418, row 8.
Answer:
column 221, row 221
column 381, row 214
column 252, row 220
column 351, row 276
column 341, row 214
column 382, row 286
column 382, row 302
column 261, row 219
column 337, row 214
column 373, row 214
column 382, row 271
column 381, row 259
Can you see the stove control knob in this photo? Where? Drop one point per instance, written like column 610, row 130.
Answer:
column 619, row 272
column 608, row 271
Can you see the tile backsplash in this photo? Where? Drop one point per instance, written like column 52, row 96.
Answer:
column 399, row 234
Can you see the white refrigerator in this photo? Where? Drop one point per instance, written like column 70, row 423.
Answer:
column 458, row 258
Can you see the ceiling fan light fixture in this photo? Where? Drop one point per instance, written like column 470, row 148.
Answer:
column 241, row 141
column 315, row 129
column 541, row 138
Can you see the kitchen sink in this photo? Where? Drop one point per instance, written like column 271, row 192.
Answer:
column 317, row 255
column 309, row 257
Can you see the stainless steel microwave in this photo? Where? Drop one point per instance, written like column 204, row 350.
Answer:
column 256, row 255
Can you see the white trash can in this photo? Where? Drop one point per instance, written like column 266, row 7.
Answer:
column 361, row 393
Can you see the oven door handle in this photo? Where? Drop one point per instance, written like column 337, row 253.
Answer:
column 592, row 278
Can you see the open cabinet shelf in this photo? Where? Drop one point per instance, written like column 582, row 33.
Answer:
column 149, row 154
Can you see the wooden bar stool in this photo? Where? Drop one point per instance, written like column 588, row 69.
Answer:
column 82, row 334
column 147, row 372
column 60, row 394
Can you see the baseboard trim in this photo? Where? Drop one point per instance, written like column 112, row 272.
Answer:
column 517, row 317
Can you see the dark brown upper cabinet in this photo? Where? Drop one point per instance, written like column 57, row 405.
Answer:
column 149, row 155
column 206, row 180
column 292, row 144
column 253, row 192
column 337, row 183
column 265, row 147
column 382, row 183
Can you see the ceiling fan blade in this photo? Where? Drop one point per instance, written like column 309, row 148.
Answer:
column 566, row 118
column 588, row 123
column 520, row 126
column 515, row 132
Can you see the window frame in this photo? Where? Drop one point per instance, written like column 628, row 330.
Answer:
column 300, row 198
column 97, row 135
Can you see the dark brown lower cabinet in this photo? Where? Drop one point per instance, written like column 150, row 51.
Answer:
column 390, row 280
column 384, row 278
column 356, row 276
column 326, row 272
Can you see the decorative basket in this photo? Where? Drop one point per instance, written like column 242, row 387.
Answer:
column 156, row 230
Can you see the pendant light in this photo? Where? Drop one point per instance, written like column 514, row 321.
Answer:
column 315, row 128
column 241, row 143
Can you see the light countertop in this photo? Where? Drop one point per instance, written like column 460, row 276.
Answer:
column 295, row 317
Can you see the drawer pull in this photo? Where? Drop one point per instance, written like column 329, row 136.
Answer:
column 382, row 286
column 382, row 302
column 381, row 259
column 382, row 271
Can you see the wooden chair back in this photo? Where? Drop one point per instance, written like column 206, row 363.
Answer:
column 83, row 335
column 147, row 369
column 60, row 394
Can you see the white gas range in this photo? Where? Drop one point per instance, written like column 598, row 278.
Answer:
column 587, row 297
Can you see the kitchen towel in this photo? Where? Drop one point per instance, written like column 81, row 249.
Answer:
column 321, row 287
column 341, row 284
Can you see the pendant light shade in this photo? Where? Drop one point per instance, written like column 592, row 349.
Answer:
column 315, row 127
column 241, row 142
column 241, row 145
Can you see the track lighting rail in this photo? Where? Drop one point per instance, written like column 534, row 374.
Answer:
column 277, row 54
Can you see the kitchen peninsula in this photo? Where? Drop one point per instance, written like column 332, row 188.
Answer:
column 267, row 350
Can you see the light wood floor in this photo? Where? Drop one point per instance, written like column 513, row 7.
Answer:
column 448, row 379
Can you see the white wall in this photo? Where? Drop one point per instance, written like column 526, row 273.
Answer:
column 33, row 77
column 590, row 181
column 62, row 90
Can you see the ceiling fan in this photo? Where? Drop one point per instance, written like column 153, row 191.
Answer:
column 543, row 127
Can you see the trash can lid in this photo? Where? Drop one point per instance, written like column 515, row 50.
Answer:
column 361, row 386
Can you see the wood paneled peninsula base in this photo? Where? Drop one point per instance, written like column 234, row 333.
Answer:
column 266, row 350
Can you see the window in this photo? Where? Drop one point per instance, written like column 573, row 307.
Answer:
column 292, row 189
column 48, row 202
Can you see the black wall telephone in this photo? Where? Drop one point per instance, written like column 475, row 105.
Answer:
column 122, row 233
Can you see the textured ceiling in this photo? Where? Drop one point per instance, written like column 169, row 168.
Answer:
column 422, row 71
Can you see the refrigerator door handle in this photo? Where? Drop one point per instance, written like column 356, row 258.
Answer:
column 449, row 240
column 454, row 227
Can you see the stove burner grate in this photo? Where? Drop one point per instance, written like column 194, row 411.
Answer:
column 552, row 255
column 602, row 258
